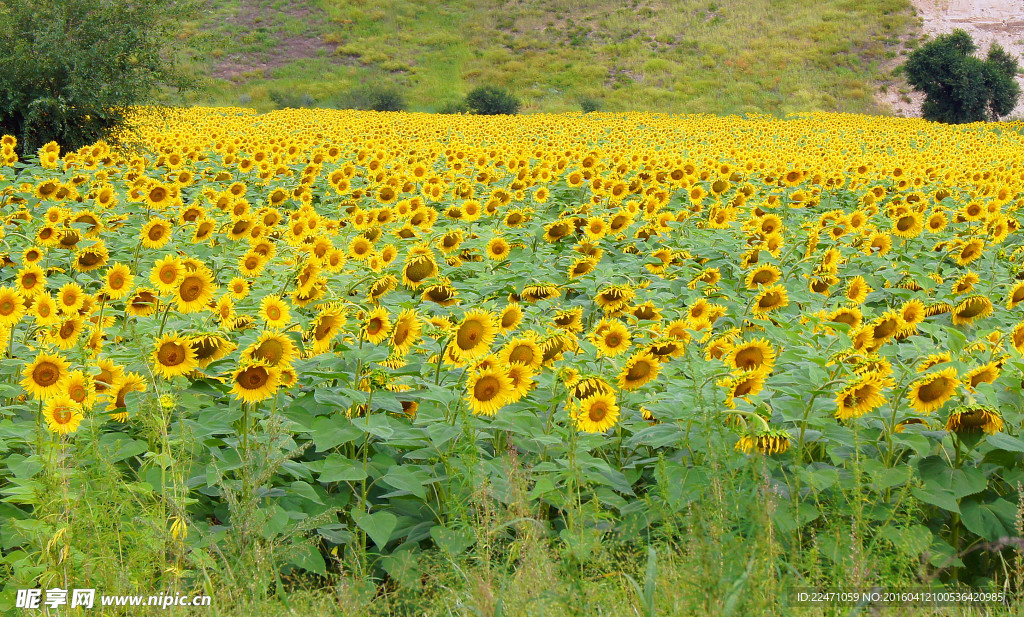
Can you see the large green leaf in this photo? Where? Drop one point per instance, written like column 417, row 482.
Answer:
column 405, row 479
column 1006, row 442
column 378, row 526
column 453, row 541
column 338, row 468
column 937, row 473
column 331, row 431
column 935, row 496
column 991, row 520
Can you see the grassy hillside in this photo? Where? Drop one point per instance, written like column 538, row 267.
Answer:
column 729, row 56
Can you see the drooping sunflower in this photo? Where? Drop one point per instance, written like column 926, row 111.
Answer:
column 596, row 413
column 611, row 337
column 767, row 275
column 487, row 391
column 769, row 441
column 614, row 297
column 173, row 355
column 274, row 311
column 252, row 383
column 377, row 325
column 209, row 348
column 770, row 299
column 569, row 320
column 861, row 396
column 933, row 390
column 12, row 307
column 474, row 335
column 510, row 317
column 45, row 376
column 971, row 309
column 143, row 303
column 975, row 418
column 118, row 281
column 743, row 385
column 62, row 415
column 751, row 356
column 441, row 293
column 417, row 269
column 641, row 368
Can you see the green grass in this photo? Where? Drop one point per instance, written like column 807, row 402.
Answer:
column 687, row 57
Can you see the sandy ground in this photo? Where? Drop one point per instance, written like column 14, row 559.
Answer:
column 987, row 21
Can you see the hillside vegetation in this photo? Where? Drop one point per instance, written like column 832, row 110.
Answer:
column 687, row 56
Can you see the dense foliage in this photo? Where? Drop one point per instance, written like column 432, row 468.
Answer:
column 958, row 87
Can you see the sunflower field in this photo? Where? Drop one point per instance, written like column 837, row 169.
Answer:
column 315, row 343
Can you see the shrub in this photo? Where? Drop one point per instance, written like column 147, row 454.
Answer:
column 370, row 98
column 453, row 107
column 71, row 71
column 386, row 100
column 588, row 104
column 957, row 86
column 492, row 101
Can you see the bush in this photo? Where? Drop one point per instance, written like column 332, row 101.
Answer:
column 71, row 71
column 492, row 101
column 370, row 98
column 386, row 100
column 588, row 104
column 453, row 107
column 957, row 86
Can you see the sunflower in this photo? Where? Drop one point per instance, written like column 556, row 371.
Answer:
column 238, row 288
column 536, row 293
column 746, row 384
column 973, row 419
column 118, row 281
column 272, row 349
column 965, row 283
column 70, row 298
column 912, row 313
column 523, row 350
column 406, row 331
column 770, row 299
column 143, row 303
column 498, row 248
column 209, row 348
column 861, row 396
column 417, row 269
column 251, row 264
column 67, row 335
column 44, row 309
column 933, row 390
column 81, row 390
column 971, row 309
column 377, row 325
column 850, row 316
column 173, row 355
column 611, row 337
column 156, row 233
column 122, row 387
column 195, row 291
column 596, row 413
column 32, row 280
column 474, row 335
column 510, row 317
column 763, row 275
column 751, row 356
column 521, row 377
column 274, row 311
column 641, row 368
column 986, row 373
column 252, row 383
column 1016, row 295
column 325, row 327
column 970, row 252
column 614, row 297
column 857, row 290
column 569, row 320
column 166, row 273
column 487, row 391
column 768, row 441
column 907, row 225
column 1017, row 338
column 91, row 258
column 45, row 376
column 12, row 307
column 62, row 415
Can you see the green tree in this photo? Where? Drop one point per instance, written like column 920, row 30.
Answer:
column 957, row 86
column 491, row 100
column 71, row 70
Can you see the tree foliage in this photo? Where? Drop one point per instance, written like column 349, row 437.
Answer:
column 71, row 70
column 492, row 101
column 959, row 87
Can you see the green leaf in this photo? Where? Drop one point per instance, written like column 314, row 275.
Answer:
column 404, row 479
column 937, row 497
column 402, row 567
column 306, row 490
column 936, row 473
column 378, row 526
column 338, row 468
column 1006, row 442
column 331, row 431
column 992, row 520
column 309, row 558
column 452, row 541
column 376, row 425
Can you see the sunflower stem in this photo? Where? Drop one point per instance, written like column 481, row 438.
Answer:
column 164, row 320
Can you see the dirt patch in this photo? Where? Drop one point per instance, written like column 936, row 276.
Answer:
column 260, row 18
column 987, row 21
